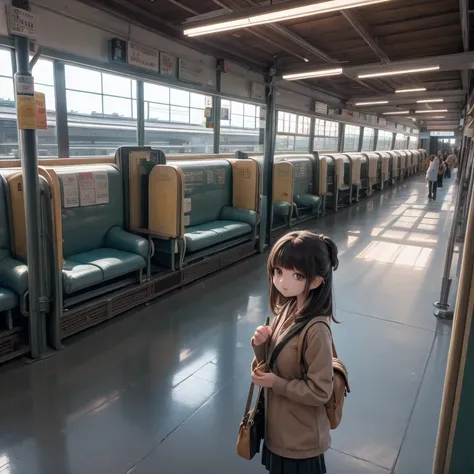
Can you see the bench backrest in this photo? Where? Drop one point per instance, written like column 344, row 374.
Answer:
column 4, row 221
column 99, row 206
column 207, row 189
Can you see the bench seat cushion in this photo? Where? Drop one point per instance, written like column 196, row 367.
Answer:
column 91, row 268
column 281, row 208
column 307, row 200
column 77, row 276
column 14, row 275
column 113, row 263
column 8, row 299
column 205, row 235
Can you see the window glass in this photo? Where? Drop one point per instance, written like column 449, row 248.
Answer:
column 8, row 131
column 101, row 111
column 384, row 142
column 351, row 138
column 296, row 125
column 179, row 127
column 239, row 126
column 400, row 141
column 413, row 143
column 326, row 135
column 368, row 141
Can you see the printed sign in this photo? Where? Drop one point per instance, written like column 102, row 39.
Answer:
column 187, row 205
column 21, row 22
column 167, row 64
column 101, row 185
column 191, row 72
column 86, row 189
column 142, row 56
column 41, row 117
column 187, row 220
column 25, row 102
column 70, row 190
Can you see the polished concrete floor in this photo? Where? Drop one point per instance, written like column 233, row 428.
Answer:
column 162, row 390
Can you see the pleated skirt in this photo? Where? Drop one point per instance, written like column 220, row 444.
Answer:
column 279, row 465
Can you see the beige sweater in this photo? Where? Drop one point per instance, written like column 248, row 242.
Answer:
column 297, row 426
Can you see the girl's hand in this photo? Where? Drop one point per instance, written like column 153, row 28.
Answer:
column 262, row 334
column 262, row 379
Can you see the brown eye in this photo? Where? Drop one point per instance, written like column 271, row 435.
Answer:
column 299, row 276
column 277, row 271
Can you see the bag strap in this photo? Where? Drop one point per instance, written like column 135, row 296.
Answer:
column 252, row 386
column 299, row 350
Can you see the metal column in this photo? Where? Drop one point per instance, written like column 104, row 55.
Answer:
column 29, row 163
column 140, row 114
column 62, row 128
column 267, row 191
column 361, row 139
column 216, row 110
column 312, row 126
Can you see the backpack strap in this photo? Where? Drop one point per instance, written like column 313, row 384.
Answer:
column 299, row 350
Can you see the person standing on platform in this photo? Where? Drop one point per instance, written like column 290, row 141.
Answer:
column 441, row 170
column 297, row 433
column 450, row 161
column 432, row 177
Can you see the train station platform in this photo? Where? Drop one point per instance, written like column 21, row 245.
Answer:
column 162, row 390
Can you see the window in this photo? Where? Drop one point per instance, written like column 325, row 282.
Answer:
column 102, row 111
column 351, row 138
column 326, row 135
column 240, row 127
column 43, row 73
column 296, row 125
column 369, row 138
column 384, row 142
column 400, row 141
column 413, row 143
column 8, row 133
column 175, row 120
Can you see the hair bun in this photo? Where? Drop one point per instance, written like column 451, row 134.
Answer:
column 332, row 249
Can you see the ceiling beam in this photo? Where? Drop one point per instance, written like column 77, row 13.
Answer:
column 356, row 23
column 184, row 7
column 464, row 14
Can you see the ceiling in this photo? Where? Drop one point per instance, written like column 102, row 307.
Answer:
column 377, row 35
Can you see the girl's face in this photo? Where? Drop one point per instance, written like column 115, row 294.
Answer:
column 291, row 283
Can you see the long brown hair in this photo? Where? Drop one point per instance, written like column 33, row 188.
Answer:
column 311, row 255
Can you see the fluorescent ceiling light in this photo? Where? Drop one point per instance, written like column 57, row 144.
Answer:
column 430, row 111
column 418, row 89
column 437, row 117
column 377, row 102
column 401, row 71
column 282, row 14
column 310, row 74
column 398, row 112
column 426, row 101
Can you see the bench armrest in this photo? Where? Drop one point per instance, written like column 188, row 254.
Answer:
column 240, row 215
column 14, row 275
column 119, row 239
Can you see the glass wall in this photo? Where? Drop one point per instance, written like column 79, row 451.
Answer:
column 240, row 125
column 400, row 142
column 101, row 111
column 292, row 132
column 351, row 138
column 175, row 120
column 369, row 139
column 384, row 142
column 8, row 131
column 326, row 135
column 413, row 143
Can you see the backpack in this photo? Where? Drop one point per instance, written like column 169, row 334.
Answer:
column 341, row 387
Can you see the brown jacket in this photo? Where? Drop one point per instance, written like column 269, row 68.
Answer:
column 297, row 426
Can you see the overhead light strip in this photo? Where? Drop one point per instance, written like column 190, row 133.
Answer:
column 394, row 73
column 283, row 14
column 417, row 89
column 310, row 74
column 398, row 112
column 427, row 101
column 376, row 102
column 433, row 111
column 437, row 117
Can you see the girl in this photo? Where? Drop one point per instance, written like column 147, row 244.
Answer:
column 297, row 432
column 432, row 177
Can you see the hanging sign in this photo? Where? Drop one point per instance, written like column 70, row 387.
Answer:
column 21, row 22
column 167, row 64
column 118, row 50
column 142, row 56
column 25, row 102
column 41, row 117
column 191, row 72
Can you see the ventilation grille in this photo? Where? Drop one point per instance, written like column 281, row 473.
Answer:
column 83, row 318
column 11, row 346
column 130, row 300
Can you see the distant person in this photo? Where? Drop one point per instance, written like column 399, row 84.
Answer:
column 432, row 177
column 450, row 162
column 441, row 171
column 300, row 269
